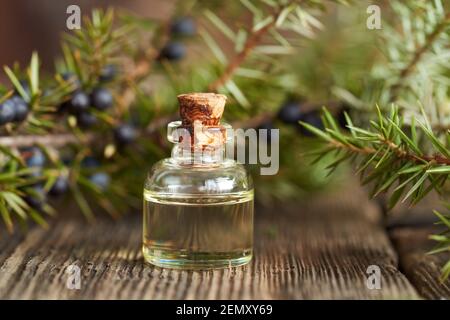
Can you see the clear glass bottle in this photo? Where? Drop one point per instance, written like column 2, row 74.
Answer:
column 198, row 205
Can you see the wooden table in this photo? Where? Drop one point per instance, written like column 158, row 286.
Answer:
column 318, row 248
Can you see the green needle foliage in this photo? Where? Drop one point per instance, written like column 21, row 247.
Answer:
column 402, row 150
column 389, row 155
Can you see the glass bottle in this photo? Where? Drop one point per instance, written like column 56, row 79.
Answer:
column 198, row 205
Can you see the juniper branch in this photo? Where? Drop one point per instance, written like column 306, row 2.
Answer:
column 62, row 139
column 391, row 158
column 388, row 154
column 398, row 150
column 240, row 57
column 249, row 45
column 430, row 39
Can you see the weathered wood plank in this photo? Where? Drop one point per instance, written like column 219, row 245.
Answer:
column 409, row 228
column 315, row 250
column 422, row 269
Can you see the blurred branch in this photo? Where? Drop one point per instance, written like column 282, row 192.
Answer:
column 419, row 54
column 55, row 140
column 249, row 45
column 62, row 139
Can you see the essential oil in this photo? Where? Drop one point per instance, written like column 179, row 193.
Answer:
column 198, row 205
column 192, row 232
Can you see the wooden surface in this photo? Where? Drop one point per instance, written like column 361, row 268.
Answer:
column 422, row 269
column 409, row 230
column 319, row 249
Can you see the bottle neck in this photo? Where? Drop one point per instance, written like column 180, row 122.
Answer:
column 198, row 156
column 199, row 146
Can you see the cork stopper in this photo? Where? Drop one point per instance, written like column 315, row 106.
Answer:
column 201, row 108
column 200, row 115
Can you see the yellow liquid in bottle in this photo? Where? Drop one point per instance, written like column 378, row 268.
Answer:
column 198, row 231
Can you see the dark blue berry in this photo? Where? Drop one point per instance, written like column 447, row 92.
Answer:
column 108, row 73
column 183, row 26
column 125, row 134
column 90, row 162
column 34, row 157
column 64, row 107
column 79, row 102
column 72, row 78
column 312, row 118
column 68, row 76
column 290, row 113
column 173, row 51
column 86, row 120
column 36, row 197
column 101, row 180
column 21, row 109
column 101, row 98
column 60, row 186
column 7, row 112
column 67, row 160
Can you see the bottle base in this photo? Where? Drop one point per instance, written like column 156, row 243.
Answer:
column 195, row 260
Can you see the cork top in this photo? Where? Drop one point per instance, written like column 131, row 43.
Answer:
column 201, row 108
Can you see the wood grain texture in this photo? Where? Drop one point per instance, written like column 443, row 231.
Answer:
column 315, row 250
column 422, row 269
column 409, row 229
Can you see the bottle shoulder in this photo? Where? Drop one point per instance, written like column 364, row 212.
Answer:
column 229, row 176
